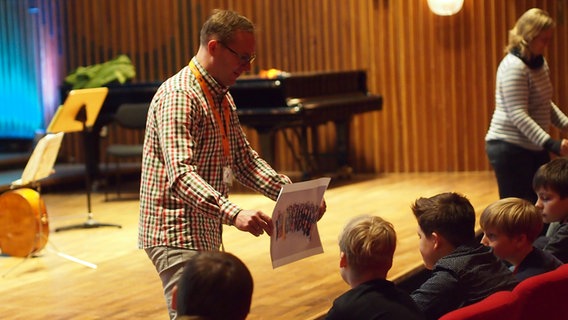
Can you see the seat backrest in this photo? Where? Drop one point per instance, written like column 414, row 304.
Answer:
column 132, row 115
column 498, row 306
column 544, row 296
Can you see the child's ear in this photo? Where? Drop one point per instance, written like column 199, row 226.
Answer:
column 436, row 240
column 342, row 260
column 520, row 239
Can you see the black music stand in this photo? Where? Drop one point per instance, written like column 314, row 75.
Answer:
column 78, row 113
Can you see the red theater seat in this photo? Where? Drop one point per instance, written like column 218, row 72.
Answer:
column 539, row 297
column 498, row 306
column 544, row 296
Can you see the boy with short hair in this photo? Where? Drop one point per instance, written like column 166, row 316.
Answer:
column 551, row 186
column 510, row 227
column 214, row 285
column 463, row 270
column 367, row 245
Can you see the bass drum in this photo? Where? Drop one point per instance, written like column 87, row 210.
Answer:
column 24, row 228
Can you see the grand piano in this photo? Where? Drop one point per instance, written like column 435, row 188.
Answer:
column 297, row 101
column 301, row 102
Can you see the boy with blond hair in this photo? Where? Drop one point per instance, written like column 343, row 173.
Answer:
column 551, row 186
column 510, row 227
column 367, row 246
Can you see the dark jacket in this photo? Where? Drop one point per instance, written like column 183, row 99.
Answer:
column 465, row 276
column 376, row 299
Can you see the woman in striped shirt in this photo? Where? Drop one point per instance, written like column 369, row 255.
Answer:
column 518, row 142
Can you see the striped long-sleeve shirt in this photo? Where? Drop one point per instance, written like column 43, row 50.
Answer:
column 524, row 109
column 183, row 199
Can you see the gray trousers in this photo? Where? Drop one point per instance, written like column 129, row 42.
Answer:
column 169, row 263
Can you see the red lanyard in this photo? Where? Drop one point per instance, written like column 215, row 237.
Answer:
column 223, row 125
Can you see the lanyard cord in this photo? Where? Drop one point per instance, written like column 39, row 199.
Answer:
column 223, row 125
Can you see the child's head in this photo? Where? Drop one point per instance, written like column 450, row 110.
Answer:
column 550, row 183
column 510, row 226
column 445, row 222
column 214, row 285
column 367, row 246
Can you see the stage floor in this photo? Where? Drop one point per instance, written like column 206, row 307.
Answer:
column 124, row 285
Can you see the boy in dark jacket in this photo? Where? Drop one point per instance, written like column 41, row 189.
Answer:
column 463, row 270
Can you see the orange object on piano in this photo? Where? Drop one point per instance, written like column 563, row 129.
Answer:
column 272, row 73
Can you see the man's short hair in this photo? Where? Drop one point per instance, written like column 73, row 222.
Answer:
column 216, row 286
column 368, row 242
column 512, row 216
column 449, row 214
column 222, row 25
column 553, row 176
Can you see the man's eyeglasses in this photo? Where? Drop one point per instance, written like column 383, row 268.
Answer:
column 244, row 59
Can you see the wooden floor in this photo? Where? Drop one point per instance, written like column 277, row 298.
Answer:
column 125, row 285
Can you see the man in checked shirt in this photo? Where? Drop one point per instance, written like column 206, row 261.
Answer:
column 194, row 147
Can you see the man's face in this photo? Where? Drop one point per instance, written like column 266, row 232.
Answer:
column 233, row 58
column 551, row 206
column 503, row 246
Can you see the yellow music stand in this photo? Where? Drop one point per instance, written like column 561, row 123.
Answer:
column 78, row 113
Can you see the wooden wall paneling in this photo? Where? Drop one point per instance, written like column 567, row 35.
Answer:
column 126, row 27
column 325, row 43
column 436, row 74
column 442, row 93
column 476, row 87
column 414, row 113
column 113, row 21
column 140, row 44
column 266, row 24
column 401, row 46
column 156, row 34
column 177, row 42
column 312, row 35
column 99, row 33
column 377, row 80
column 466, row 146
column 391, row 124
column 557, row 61
column 363, row 130
column 417, row 113
column 293, row 51
column 299, row 45
column 283, row 39
column 70, row 36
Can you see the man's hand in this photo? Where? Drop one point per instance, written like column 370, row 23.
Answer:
column 254, row 221
column 322, row 209
column 564, row 148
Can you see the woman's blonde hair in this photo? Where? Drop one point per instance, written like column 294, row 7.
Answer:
column 528, row 26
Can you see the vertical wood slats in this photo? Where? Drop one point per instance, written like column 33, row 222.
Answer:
column 436, row 74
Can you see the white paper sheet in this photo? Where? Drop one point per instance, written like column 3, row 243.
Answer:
column 40, row 164
column 295, row 234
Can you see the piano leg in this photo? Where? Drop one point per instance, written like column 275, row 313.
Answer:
column 266, row 138
column 308, row 165
column 266, row 141
column 342, row 145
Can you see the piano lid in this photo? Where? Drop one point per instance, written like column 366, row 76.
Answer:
column 253, row 92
